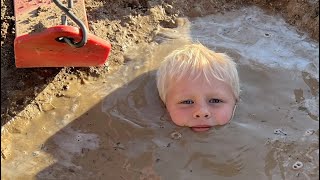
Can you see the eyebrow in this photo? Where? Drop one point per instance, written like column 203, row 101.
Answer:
column 188, row 96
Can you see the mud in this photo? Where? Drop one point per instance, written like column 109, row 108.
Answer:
column 127, row 23
column 87, row 122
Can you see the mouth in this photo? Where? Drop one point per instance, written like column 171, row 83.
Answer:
column 200, row 128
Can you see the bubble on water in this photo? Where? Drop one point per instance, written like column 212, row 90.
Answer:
column 297, row 165
column 279, row 132
column 78, row 138
column 309, row 132
column 267, row 35
column 176, row 135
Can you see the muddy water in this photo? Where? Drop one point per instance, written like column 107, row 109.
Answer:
column 117, row 128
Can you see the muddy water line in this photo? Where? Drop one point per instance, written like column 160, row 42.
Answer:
column 117, row 127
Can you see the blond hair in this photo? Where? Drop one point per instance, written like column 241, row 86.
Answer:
column 193, row 61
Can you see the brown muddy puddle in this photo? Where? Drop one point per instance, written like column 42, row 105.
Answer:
column 117, row 128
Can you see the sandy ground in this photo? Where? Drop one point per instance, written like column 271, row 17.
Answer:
column 25, row 92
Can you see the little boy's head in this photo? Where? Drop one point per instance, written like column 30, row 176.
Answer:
column 199, row 87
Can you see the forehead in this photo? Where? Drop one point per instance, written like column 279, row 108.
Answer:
column 194, row 85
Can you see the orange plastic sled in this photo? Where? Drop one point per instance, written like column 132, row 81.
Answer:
column 45, row 48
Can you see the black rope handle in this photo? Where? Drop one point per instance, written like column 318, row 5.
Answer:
column 83, row 28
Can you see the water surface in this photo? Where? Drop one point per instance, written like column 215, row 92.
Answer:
column 118, row 128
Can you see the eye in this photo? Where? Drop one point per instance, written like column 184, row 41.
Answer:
column 215, row 101
column 186, row 102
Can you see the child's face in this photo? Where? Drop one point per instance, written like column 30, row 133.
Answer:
column 199, row 105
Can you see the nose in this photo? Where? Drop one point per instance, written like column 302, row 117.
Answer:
column 202, row 112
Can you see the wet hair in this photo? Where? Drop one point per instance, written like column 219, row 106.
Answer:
column 196, row 61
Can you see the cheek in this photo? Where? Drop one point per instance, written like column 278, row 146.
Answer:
column 224, row 116
column 178, row 116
